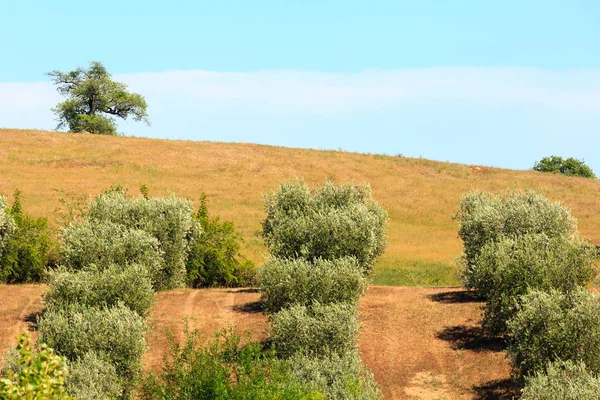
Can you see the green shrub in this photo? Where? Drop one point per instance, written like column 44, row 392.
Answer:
column 328, row 222
column 508, row 268
column 104, row 243
column 570, row 166
column 129, row 285
column 300, row 282
column 41, row 375
column 73, row 330
column 170, row 220
column 316, row 330
column 563, row 380
column 552, row 326
column 214, row 258
column 7, row 224
column 488, row 218
column 26, row 251
column 340, row 377
column 91, row 377
column 223, row 370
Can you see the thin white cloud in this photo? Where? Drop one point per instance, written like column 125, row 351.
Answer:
column 297, row 92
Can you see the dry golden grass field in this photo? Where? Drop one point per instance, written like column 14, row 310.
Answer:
column 421, row 196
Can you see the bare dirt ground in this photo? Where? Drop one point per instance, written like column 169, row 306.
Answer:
column 421, row 343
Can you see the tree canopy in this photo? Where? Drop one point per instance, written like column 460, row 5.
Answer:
column 570, row 166
column 94, row 100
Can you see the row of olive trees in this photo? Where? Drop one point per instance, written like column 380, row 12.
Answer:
column 112, row 261
column 523, row 256
column 323, row 244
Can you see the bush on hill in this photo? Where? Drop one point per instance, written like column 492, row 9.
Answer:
column 91, row 377
column 170, row 220
column 299, row 282
column 570, row 166
column 488, row 218
column 130, row 286
column 225, row 370
column 552, row 326
column 25, row 244
column 510, row 267
column 214, row 258
column 327, row 222
column 563, row 380
column 315, row 330
column 116, row 332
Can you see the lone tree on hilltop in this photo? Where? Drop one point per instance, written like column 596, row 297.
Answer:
column 94, row 100
column 570, row 166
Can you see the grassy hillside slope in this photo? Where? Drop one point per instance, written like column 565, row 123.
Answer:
column 421, row 196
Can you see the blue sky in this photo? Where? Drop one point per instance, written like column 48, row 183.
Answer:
column 486, row 82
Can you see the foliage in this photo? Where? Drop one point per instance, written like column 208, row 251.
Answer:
column 73, row 330
column 105, row 243
column 327, row 222
column 91, row 377
column 27, row 251
column 315, row 330
column 7, row 224
column 41, row 374
column 129, row 285
column 563, row 380
column 223, row 370
column 300, row 282
column 214, row 258
column 94, row 99
column 340, row 377
column 508, row 268
column 170, row 220
column 488, row 218
column 570, row 166
column 551, row 326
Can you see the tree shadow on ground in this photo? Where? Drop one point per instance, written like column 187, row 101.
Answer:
column 32, row 320
column 243, row 290
column 254, row 307
column 457, row 296
column 502, row 389
column 472, row 338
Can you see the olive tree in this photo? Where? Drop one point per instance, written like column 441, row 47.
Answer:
column 326, row 222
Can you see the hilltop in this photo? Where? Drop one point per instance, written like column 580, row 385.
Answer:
column 421, row 196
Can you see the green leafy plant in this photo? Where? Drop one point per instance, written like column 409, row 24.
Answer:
column 214, row 258
column 284, row 283
column 551, row 326
column 100, row 244
column 509, row 268
column 94, row 100
column 485, row 218
column 27, row 251
column 7, row 225
column 225, row 369
column 169, row 220
column 41, row 374
column 315, row 330
column 570, row 166
column 327, row 222
column 116, row 332
column 339, row 376
column 129, row 285
column 91, row 377
column 563, row 380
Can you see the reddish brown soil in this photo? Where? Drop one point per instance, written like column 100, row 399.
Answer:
column 421, row 343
